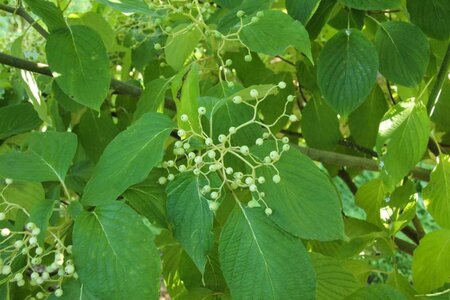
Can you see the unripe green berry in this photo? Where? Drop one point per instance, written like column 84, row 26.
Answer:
column 282, row 85
column 214, row 195
column 40, row 295
column 213, row 205
column 58, row 293
column 290, row 98
column 208, row 141
column 260, row 14
column 274, row 155
column 228, row 62
column 5, row 232
column 255, row 19
column 293, row 118
column 252, row 188
column 186, row 146
column 18, row 244
column 237, row 99
column 182, row 168
column 286, row 147
column 232, row 130
column 201, row 110
column 170, row 177
column 2, row 216
column 268, row 211
column 276, row 178
column 170, row 163
column 254, row 93
column 6, row 269
column 240, row 13
column 229, row 170
column 184, row 118
column 248, row 58
column 259, row 141
column 191, row 155
column 20, row 283
column 157, row 46
column 245, row 150
column 230, row 84
column 178, row 144
column 253, row 203
column 196, row 172
column 265, row 135
column 198, row 159
column 211, row 154
column 261, row 180
column 206, row 189
column 181, row 133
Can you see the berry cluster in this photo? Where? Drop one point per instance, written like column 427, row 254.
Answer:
column 44, row 268
column 209, row 159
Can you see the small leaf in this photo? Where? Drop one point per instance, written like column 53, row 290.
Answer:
column 431, row 261
column 305, row 202
column 180, row 45
column 49, row 13
column 347, row 70
column 152, row 97
column 334, row 282
column 403, row 51
column 128, row 6
column 302, row 10
column 47, row 158
column 83, row 71
column 134, row 152
column 370, row 197
column 402, row 140
column 432, row 16
column 10, row 124
column 437, row 192
column 112, row 261
column 24, row 194
column 377, row 292
column 40, row 215
column 189, row 212
column 274, row 33
column 372, row 4
column 254, row 269
column 320, row 125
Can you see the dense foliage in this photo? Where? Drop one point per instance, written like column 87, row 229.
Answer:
column 227, row 149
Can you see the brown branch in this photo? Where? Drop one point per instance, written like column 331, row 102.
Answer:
column 354, row 162
column 405, row 246
column 419, row 228
column 343, row 174
column 119, row 86
column 20, row 11
column 411, row 233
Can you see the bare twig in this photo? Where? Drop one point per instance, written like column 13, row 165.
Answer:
column 20, row 11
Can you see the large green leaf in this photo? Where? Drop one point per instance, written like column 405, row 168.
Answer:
column 188, row 211
column 49, row 13
column 302, row 10
column 275, row 32
column 320, row 125
column 80, row 65
column 432, row 16
column 402, row 140
column 128, row 6
column 365, row 120
column 180, row 44
column 431, row 261
column 377, row 292
column 10, row 124
column 128, row 159
column 260, row 261
column 47, row 157
column 437, row 192
column 403, row 51
column 372, row 4
column 347, row 70
column 114, row 253
column 334, row 282
column 305, row 203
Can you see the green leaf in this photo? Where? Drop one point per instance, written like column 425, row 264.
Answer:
column 134, row 152
column 437, row 192
column 372, row 4
column 305, row 203
column 399, row 282
column 320, row 125
column 128, row 6
column 188, row 211
column 112, row 262
column 47, row 157
column 402, row 140
column 371, row 198
column 432, row 16
column 377, row 292
column 228, row 3
column 442, row 109
column 302, row 10
column 100, row 25
column 152, row 97
column 347, row 70
column 148, row 198
column 24, row 194
column 320, row 18
column 49, row 13
column 431, row 262
column 334, row 282
column 403, row 52
column 73, row 289
column 365, row 120
column 96, row 132
column 253, row 268
column 83, row 71
column 186, row 92
column 180, row 45
column 274, row 33
column 10, row 124
column 40, row 215
column 229, row 20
